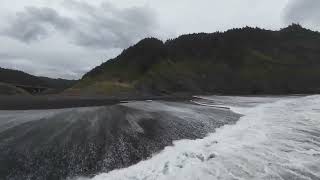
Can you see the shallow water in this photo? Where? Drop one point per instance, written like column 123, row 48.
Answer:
column 277, row 138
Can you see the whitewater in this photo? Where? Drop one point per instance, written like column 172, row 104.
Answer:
column 276, row 138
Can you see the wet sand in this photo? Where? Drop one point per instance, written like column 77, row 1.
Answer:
column 57, row 144
column 61, row 102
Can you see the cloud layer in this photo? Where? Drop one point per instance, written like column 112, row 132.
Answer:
column 33, row 24
column 305, row 12
column 104, row 26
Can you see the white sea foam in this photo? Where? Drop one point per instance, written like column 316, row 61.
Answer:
column 275, row 140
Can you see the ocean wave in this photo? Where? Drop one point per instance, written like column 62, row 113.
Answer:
column 279, row 139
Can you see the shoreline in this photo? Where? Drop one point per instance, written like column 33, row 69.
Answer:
column 42, row 102
column 62, row 102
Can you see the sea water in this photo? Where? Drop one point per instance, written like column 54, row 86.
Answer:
column 276, row 138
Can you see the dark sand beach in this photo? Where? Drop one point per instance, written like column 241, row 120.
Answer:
column 25, row 102
column 62, row 143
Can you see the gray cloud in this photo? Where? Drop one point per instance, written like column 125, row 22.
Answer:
column 35, row 23
column 104, row 26
column 51, row 58
column 305, row 12
column 51, row 68
column 110, row 27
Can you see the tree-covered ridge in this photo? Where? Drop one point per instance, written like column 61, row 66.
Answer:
column 16, row 77
column 244, row 60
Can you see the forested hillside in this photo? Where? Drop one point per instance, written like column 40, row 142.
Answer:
column 238, row 61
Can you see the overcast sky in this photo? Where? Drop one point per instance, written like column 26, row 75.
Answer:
column 66, row 38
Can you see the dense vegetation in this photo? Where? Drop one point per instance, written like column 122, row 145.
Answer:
column 239, row 61
column 13, row 78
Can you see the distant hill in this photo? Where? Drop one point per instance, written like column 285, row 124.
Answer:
column 19, row 80
column 238, row 61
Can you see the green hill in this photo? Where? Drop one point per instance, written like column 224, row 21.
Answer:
column 238, row 61
column 15, row 78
